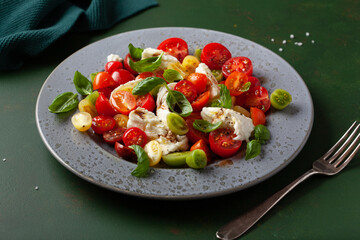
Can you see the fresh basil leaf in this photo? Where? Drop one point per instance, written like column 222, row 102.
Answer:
column 172, row 75
column 225, row 97
column 178, row 103
column 147, row 64
column 246, row 87
column 147, row 85
column 253, row 148
column 135, row 52
column 216, row 103
column 262, row 134
column 64, row 102
column 82, row 84
column 143, row 163
column 93, row 75
column 205, row 126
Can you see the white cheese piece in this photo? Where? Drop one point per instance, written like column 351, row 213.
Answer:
column 165, row 60
column 156, row 129
column 114, row 57
column 212, row 82
column 162, row 109
column 242, row 126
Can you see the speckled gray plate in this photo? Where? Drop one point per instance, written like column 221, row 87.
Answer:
column 98, row 163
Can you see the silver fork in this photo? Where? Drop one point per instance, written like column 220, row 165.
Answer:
column 329, row 164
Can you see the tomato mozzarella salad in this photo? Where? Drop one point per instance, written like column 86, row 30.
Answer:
column 163, row 106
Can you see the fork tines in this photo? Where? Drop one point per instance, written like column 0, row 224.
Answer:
column 352, row 137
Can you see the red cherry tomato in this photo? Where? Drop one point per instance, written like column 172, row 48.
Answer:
column 199, row 80
column 193, row 134
column 134, row 136
column 112, row 66
column 146, row 101
column 186, row 88
column 103, row 80
column 122, row 76
column 176, row 47
column 103, row 106
column 201, row 101
column 214, row 55
column 114, row 135
column 101, row 124
column 222, row 142
column 106, row 91
column 257, row 116
column 145, row 75
column 127, row 65
column 238, row 64
column 125, row 152
column 258, row 97
column 254, row 81
column 235, row 83
column 123, row 101
column 201, row 144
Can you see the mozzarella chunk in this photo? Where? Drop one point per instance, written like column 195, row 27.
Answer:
column 165, row 60
column 242, row 126
column 114, row 57
column 212, row 82
column 156, row 129
column 162, row 109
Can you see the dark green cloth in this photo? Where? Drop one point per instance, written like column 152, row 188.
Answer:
column 27, row 27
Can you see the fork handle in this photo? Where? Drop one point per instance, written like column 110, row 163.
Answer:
column 240, row 225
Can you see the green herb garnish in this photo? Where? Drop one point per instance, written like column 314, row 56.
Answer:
column 143, row 163
column 82, row 84
column 64, row 102
column 147, row 64
column 135, row 53
column 205, row 126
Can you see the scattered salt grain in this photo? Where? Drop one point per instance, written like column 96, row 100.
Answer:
column 292, row 36
column 300, row 44
column 273, row 40
column 312, row 41
column 280, row 49
column 4, row 159
column 36, row 188
column 307, row 34
column 284, row 42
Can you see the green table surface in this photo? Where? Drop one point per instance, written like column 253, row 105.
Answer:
column 67, row 207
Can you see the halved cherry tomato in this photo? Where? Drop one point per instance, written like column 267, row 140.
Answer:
column 145, row 75
column 125, row 152
column 176, row 47
column 127, row 65
column 103, row 80
column 106, row 91
column 101, row 124
column 236, row 82
column 257, row 116
column 112, row 66
column 186, row 88
column 238, row 64
column 254, row 81
column 201, row 101
column 103, row 106
column 201, row 144
column 146, row 101
column 134, row 136
column 222, row 142
column 122, row 76
column 258, row 97
column 114, row 135
column 193, row 134
column 214, row 55
column 123, row 101
column 199, row 80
